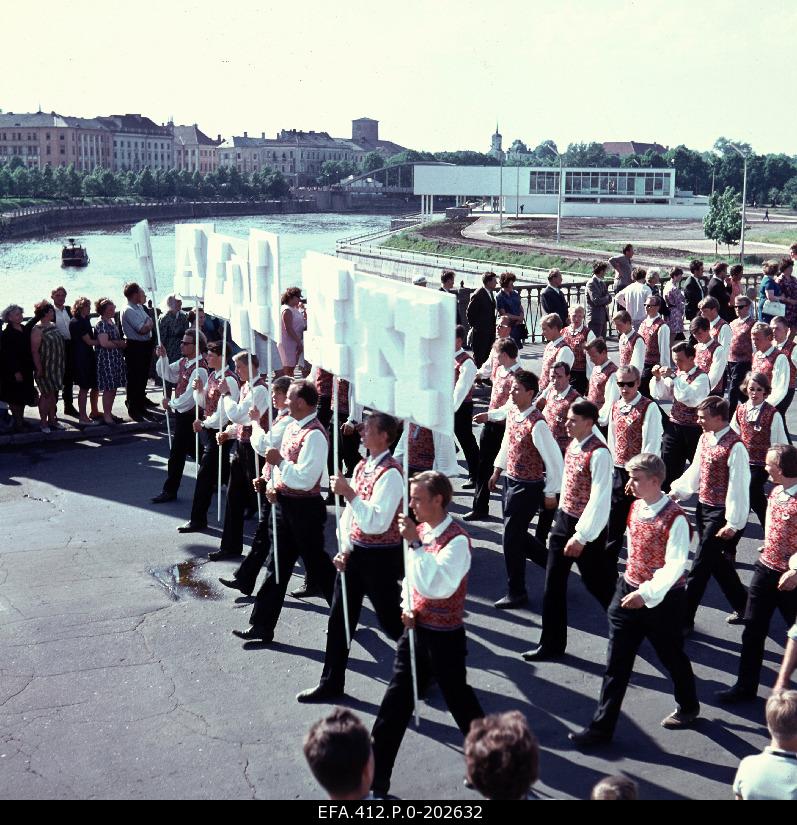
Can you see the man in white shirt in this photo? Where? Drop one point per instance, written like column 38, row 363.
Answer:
column 649, row 603
column 720, row 475
column 433, row 604
column 656, row 334
column 137, row 326
column 710, row 355
column 63, row 315
column 579, row 531
column 370, row 553
column 632, row 298
column 772, row 361
column 631, row 345
column 720, row 328
column 299, row 468
column 784, row 341
column 464, row 377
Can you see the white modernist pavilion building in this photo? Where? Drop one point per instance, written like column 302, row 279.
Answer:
column 592, row 193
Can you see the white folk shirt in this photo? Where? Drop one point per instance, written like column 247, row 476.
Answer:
column 445, row 453
column 633, row 298
column 564, row 353
column 737, row 499
column 237, row 411
column 216, row 420
column 781, row 376
column 546, row 446
column 637, row 354
column 501, row 413
column 664, row 339
column 62, row 320
column 467, row 375
column 375, row 515
column 777, row 433
column 611, row 394
column 310, row 466
column 596, row 514
column 676, row 556
column 171, row 372
column 355, row 410
column 652, row 427
column 678, row 388
column 263, row 440
column 718, row 362
column 437, row 575
column 725, row 335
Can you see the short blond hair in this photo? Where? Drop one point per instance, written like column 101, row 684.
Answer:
column 782, row 714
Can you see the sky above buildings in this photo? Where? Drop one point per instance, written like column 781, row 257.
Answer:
column 436, row 74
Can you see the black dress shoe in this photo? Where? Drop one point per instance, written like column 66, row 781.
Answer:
column 233, row 585
column 221, row 555
column 589, row 738
column 735, row 695
column 254, row 635
column 474, row 515
column 306, row 591
column 162, row 498
column 735, row 618
column 469, row 485
column 510, row 602
column 320, row 693
column 71, row 411
column 542, row 654
column 191, row 527
column 151, row 405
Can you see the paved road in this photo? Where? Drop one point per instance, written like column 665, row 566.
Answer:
column 109, row 687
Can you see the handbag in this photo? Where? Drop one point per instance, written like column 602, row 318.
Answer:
column 773, row 308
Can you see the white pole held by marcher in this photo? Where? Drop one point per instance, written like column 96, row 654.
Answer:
column 336, row 467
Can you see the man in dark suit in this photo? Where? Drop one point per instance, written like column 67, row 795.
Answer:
column 447, row 285
column 719, row 288
column 481, row 317
column 552, row 299
column 693, row 289
column 598, row 299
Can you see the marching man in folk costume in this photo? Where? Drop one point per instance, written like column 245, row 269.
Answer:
column 649, row 602
column 428, row 450
column 760, row 426
column 440, row 558
column 464, row 377
column 656, row 334
column 603, row 390
column 556, row 350
column 262, row 440
column 349, row 437
column 182, row 374
column 740, row 354
column 710, row 355
column 635, row 426
column 208, row 396
column 532, row 462
column 720, row 475
column 299, row 469
column 579, row 532
column 370, row 552
column 631, row 345
column 782, row 340
column 686, row 388
column 770, row 360
column 720, row 329
column 578, row 337
column 503, row 366
column 774, row 583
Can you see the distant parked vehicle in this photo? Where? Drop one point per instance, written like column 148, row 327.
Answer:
column 74, row 255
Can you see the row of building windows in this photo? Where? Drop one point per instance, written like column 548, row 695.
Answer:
column 602, row 183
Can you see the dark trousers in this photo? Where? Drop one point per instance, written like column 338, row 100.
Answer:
column 758, row 497
column 240, row 497
column 597, row 327
column 736, row 373
column 249, row 569
column 521, row 501
column 618, row 517
column 627, row 630
column 677, row 448
column 489, row 445
column 375, row 572
column 439, row 654
column 300, row 533
column 463, row 430
column 578, row 380
column 183, row 442
column 785, row 404
column 644, row 383
column 483, row 340
column 138, row 356
column 714, row 557
column 68, row 381
column 208, row 476
column 598, row 572
column 348, row 445
column 543, row 528
column 762, row 600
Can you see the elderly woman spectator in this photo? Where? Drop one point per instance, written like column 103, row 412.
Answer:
column 173, row 323
column 48, row 352
column 788, row 288
column 674, row 299
column 769, row 289
column 111, row 370
column 84, row 360
column 508, row 305
column 16, row 365
column 294, row 323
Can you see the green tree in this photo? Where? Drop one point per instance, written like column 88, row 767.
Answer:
column 74, row 182
column 145, row 183
column 723, row 222
column 6, row 182
column 371, row 161
column 21, row 182
column 588, row 155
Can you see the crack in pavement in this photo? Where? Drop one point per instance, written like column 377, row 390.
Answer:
column 248, row 781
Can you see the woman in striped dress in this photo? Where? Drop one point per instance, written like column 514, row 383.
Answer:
column 49, row 361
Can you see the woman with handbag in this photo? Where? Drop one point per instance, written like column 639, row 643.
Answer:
column 769, row 293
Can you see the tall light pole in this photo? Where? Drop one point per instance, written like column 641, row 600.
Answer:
column 561, row 187
column 500, row 192
column 517, row 190
column 744, row 197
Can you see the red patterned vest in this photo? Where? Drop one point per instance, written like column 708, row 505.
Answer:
column 628, row 429
column 714, row 470
column 704, row 358
column 555, row 413
column 524, row 462
column 679, row 412
column 324, row 382
column 420, row 444
column 577, row 341
column 364, row 484
column 502, row 387
column 780, row 536
column 647, row 547
column 714, row 330
column 627, row 348
column 459, row 360
column 243, row 432
column 441, row 614
column 550, row 356
column 766, row 363
column 756, row 435
column 741, row 344
column 578, row 476
column 212, row 394
column 787, row 348
column 186, row 368
column 292, row 442
column 598, row 381
column 650, row 335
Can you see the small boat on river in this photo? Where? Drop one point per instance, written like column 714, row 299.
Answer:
column 74, row 255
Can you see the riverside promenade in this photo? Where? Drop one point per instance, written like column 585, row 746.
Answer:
column 119, row 677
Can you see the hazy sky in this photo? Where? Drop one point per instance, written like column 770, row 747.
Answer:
column 436, row 74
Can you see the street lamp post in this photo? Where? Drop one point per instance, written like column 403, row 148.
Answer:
column 500, row 192
column 744, row 197
column 559, row 199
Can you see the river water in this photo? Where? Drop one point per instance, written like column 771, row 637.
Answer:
column 30, row 269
